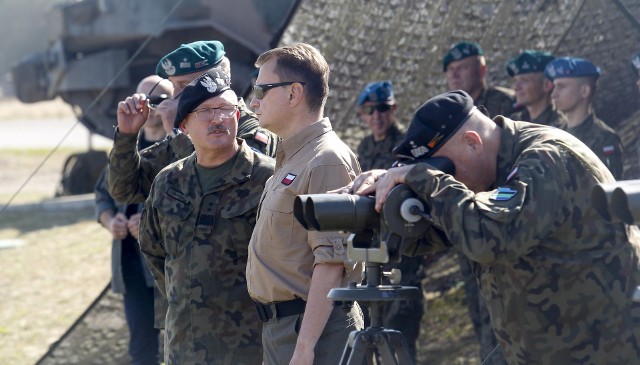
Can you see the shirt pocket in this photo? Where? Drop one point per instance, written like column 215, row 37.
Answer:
column 174, row 209
column 280, row 220
column 239, row 220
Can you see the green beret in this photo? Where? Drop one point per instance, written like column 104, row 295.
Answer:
column 635, row 63
column 190, row 58
column 529, row 61
column 460, row 51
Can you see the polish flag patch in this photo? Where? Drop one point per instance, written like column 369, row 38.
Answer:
column 260, row 136
column 289, row 179
column 512, row 174
column 608, row 150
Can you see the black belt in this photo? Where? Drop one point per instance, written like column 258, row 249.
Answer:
column 280, row 309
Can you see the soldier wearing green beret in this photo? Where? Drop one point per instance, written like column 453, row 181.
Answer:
column 533, row 89
column 558, row 279
column 574, row 81
column 377, row 108
column 466, row 67
column 131, row 172
column 196, row 226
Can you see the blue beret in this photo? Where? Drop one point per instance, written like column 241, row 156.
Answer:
column 211, row 84
column 433, row 124
column 529, row 61
column 571, row 67
column 635, row 63
column 378, row 91
column 190, row 58
column 460, row 51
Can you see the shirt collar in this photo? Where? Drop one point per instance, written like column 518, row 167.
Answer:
column 287, row 148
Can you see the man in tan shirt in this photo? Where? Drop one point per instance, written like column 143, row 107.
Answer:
column 290, row 270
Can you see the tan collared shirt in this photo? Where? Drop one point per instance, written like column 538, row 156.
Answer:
column 282, row 254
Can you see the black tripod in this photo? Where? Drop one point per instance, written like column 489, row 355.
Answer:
column 375, row 342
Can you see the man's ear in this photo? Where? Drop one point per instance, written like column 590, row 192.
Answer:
column 183, row 126
column 585, row 90
column 296, row 93
column 547, row 85
column 472, row 140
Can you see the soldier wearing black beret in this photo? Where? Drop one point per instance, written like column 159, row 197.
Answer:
column 533, row 89
column 195, row 231
column 133, row 171
column 557, row 278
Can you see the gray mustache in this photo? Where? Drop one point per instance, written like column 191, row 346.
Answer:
column 214, row 128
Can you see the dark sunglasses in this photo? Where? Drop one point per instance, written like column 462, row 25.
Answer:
column 155, row 100
column 382, row 108
column 260, row 90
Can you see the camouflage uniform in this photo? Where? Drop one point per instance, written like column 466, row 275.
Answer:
column 549, row 117
column 404, row 316
column 498, row 100
column 602, row 140
column 557, row 278
column 200, row 240
column 377, row 155
column 131, row 174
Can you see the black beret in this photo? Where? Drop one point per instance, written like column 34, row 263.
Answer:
column 433, row 124
column 189, row 58
column 212, row 83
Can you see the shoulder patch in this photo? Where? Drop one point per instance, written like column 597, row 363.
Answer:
column 503, row 193
column 260, row 136
column 608, row 150
column 289, row 179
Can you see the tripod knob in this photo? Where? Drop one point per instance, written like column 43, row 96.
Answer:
column 394, row 276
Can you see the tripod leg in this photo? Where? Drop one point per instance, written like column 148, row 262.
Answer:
column 400, row 347
column 356, row 350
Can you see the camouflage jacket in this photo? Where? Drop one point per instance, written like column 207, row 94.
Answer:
column 131, row 173
column 195, row 243
column 557, row 279
column 377, row 155
column 549, row 117
column 603, row 141
column 498, row 100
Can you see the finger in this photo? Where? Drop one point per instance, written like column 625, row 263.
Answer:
column 343, row 190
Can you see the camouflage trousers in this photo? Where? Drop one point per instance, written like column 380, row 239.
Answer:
column 480, row 315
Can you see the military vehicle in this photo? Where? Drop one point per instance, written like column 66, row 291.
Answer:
column 101, row 49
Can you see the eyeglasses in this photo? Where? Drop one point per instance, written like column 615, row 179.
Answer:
column 208, row 114
column 260, row 90
column 382, row 108
column 155, row 100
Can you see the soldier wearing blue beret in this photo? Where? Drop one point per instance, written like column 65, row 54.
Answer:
column 465, row 67
column 377, row 108
column 533, row 89
column 558, row 279
column 575, row 81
